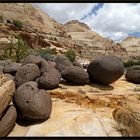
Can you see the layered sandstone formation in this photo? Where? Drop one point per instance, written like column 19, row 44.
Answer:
column 32, row 17
column 74, row 34
column 92, row 44
column 132, row 46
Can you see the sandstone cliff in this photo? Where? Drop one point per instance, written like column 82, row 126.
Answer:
column 92, row 44
column 31, row 16
column 132, row 46
column 40, row 28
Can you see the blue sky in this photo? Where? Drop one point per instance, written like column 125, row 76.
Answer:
column 93, row 10
column 112, row 20
column 136, row 34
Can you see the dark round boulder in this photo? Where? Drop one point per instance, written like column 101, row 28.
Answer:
column 75, row 75
column 76, row 63
column 31, row 102
column 7, row 120
column 38, row 60
column 26, row 73
column 133, row 74
column 62, row 62
column 32, row 59
column 52, row 64
column 105, row 69
column 49, row 80
column 44, row 66
column 12, row 68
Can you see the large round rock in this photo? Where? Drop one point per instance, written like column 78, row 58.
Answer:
column 32, row 59
column 133, row 74
column 31, row 102
column 26, row 73
column 62, row 62
column 105, row 69
column 12, row 68
column 44, row 66
column 50, row 79
column 75, row 75
column 7, row 121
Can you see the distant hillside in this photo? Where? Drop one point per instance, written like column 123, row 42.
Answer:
column 41, row 31
column 31, row 16
column 91, row 43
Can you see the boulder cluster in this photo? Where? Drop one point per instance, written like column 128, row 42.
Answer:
column 34, row 76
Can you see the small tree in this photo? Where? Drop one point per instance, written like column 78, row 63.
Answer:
column 17, row 51
column 18, row 23
column 71, row 55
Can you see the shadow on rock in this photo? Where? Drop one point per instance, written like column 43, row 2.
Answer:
column 28, row 122
column 102, row 87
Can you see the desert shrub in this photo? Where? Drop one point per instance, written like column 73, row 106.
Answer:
column 1, row 18
column 17, row 51
column 17, row 23
column 131, row 63
column 45, row 53
column 71, row 55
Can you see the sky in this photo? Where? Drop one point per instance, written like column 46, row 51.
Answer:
column 115, row 21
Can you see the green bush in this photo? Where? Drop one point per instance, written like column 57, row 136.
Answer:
column 1, row 18
column 17, row 51
column 71, row 55
column 44, row 53
column 17, row 23
column 131, row 63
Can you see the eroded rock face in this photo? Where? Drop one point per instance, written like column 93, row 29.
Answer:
column 32, row 103
column 7, row 121
column 12, row 68
column 133, row 74
column 26, row 73
column 50, row 79
column 127, row 118
column 62, row 62
column 105, row 69
column 75, row 75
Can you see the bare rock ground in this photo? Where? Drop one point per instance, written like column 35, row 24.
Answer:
column 83, row 110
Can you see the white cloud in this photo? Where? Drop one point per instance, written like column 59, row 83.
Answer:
column 114, row 20
column 64, row 12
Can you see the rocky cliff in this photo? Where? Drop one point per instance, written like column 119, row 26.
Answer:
column 32, row 17
column 92, row 44
column 41, row 31
column 132, row 46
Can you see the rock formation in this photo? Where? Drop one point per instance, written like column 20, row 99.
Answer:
column 90, row 44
